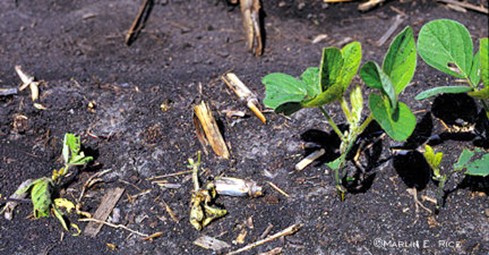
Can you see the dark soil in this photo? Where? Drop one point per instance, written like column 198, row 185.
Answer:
column 77, row 48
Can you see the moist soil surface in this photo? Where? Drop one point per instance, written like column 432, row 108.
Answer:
column 77, row 48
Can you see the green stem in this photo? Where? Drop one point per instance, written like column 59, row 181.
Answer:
column 332, row 123
column 440, row 192
column 365, row 124
column 474, row 88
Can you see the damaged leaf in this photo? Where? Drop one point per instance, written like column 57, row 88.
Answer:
column 446, row 45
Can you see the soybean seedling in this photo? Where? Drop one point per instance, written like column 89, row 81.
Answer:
column 469, row 162
column 41, row 190
column 447, row 46
column 319, row 87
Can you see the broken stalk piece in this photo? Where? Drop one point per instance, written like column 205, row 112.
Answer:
column 309, row 159
column 244, row 93
column 237, row 187
column 250, row 9
column 211, row 130
column 369, row 5
column 28, row 81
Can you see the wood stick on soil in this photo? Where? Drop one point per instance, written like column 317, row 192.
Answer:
column 211, row 130
column 466, row 5
column 279, row 190
column 8, row 92
column 169, row 175
column 108, row 203
column 288, row 231
column 244, row 93
column 139, row 21
column 101, row 223
column 369, row 5
column 309, row 159
column 397, row 22
column 336, row 1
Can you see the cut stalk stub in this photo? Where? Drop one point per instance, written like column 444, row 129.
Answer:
column 236, row 187
column 244, row 94
column 309, row 159
column 211, row 130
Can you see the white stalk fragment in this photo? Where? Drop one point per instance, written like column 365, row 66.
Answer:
column 211, row 243
column 237, row 187
column 244, row 94
column 309, row 159
column 29, row 81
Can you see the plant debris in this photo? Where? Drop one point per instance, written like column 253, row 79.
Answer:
column 211, row 130
column 108, row 203
column 211, row 243
column 237, row 187
column 202, row 211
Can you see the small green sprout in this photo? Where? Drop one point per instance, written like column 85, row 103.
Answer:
column 475, row 163
column 42, row 189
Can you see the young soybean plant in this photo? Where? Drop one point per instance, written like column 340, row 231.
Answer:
column 319, row 87
column 446, row 45
column 42, row 189
column 471, row 161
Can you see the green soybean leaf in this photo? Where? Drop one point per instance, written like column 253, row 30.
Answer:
column 442, row 90
column 335, row 164
column 330, row 68
column 398, row 123
column 326, row 97
column 80, row 160
column 479, row 167
column 463, row 159
column 400, row 60
column 356, row 101
column 475, row 76
column 433, row 159
column 370, row 75
column 73, row 143
column 310, row 77
column 484, row 61
column 352, row 56
column 282, row 88
column 374, row 77
column 446, row 45
column 480, row 94
column 41, row 197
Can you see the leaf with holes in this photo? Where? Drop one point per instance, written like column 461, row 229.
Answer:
column 447, row 46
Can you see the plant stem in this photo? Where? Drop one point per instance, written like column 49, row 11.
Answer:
column 195, row 170
column 332, row 123
column 365, row 124
column 474, row 88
